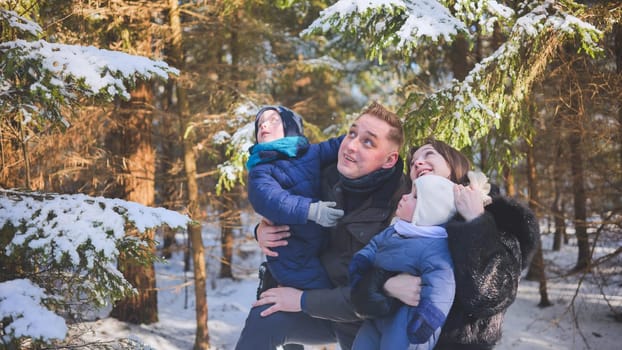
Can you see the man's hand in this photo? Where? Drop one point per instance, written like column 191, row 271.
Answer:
column 284, row 299
column 270, row 236
column 405, row 287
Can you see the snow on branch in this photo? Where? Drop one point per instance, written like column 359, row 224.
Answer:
column 496, row 87
column 39, row 78
column 60, row 224
column 232, row 170
column 100, row 70
column 20, row 23
column 400, row 24
column 20, row 300
column 64, row 248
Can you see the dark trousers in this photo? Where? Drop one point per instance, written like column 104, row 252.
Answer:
column 280, row 328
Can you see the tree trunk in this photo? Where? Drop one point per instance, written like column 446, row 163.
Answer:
column 617, row 29
column 130, row 141
column 560, row 224
column 508, row 178
column 483, row 155
column 458, row 56
column 169, row 171
column 168, row 237
column 169, row 174
column 228, row 209
column 229, row 219
column 575, row 113
column 201, row 341
column 25, row 154
column 536, row 268
column 580, row 211
column 557, row 207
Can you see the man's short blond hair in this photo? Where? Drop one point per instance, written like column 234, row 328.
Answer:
column 396, row 134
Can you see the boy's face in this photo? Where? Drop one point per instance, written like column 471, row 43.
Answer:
column 366, row 148
column 406, row 206
column 269, row 126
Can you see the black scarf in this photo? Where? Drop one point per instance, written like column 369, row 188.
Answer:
column 358, row 190
column 367, row 183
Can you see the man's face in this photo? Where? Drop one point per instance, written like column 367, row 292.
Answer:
column 269, row 126
column 366, row 148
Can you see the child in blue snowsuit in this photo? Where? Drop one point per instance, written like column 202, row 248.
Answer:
column 284, row 187
column 417, row 244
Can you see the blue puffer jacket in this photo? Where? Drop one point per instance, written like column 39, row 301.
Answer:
column 409, row 327
column 281, row 191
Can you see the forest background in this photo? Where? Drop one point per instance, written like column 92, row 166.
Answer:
column 531, row 91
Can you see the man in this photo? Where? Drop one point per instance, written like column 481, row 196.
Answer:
column 367, row 182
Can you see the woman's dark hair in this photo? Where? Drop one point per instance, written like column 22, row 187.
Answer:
column 458, row 162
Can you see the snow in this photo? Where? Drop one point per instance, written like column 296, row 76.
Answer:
column 526, row 326
column 19, row 23
column 424, row 18
column 62, row 223
column 101, row 70
column 20, row 299
column 65, row 230
column 61, row 73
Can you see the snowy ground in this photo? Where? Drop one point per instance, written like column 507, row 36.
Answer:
column 526, row 327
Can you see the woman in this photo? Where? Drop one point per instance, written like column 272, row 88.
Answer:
column 489, row 247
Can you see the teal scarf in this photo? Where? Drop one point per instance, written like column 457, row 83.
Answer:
column 283, row 148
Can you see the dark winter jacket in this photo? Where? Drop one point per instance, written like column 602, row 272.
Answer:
column 282, row 190
column 366, row 214
column 489, row 253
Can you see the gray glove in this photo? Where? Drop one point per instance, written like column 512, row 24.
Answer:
column 324, row 214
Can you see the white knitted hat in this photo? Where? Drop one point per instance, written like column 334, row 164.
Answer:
column 435, row 200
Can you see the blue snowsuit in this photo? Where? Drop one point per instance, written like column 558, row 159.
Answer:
column 421, row 256
column 281, row 190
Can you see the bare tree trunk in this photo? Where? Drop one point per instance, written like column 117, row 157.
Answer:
column 458, row 56
column 560, row 224
column 168, row 237
column 580, row 211
column 557, row 208
column 618, row 52
column 131, row 141
column 169, row 174
column 26, row 155
column 229, row 219
column 483, row 154
column 201, row 341
column 574, row 111
column 227, row 203
column 508, row 178
column 536, row 269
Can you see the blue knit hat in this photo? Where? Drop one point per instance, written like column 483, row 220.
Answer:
column 292, row 122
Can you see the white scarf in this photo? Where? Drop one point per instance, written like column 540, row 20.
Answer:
column 408, row 230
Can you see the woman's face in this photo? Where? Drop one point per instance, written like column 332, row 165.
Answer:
column 406, row 206
column 427, row 160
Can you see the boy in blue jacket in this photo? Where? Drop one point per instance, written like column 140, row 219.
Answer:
column 417, row 244
column 284, row 187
